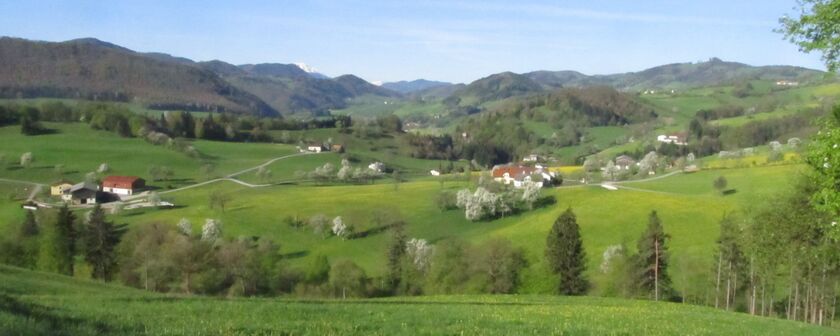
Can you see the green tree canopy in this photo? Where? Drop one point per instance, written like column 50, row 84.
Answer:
column 565, row 255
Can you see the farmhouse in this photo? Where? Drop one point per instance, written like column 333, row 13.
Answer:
column 81, row 193
column 315, row 148
column 58, row 188
column 624, row 162
column 434, row 172
column 519, row 175
column 677, row 139
column 531, row 158
column 123, row 185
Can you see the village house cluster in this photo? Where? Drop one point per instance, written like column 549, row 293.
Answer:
column 111, row 188
column 520, row 174
column 676, row 139
column 318, row 148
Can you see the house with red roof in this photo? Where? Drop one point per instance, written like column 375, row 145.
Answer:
column 520, row 174
column 123, row 185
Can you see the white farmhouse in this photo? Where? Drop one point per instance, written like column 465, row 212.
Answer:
column 676, row 139
column 315, row 148
column 123, row 185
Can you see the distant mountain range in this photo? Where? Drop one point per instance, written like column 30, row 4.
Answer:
column 406, row 87
column 676, row 76
column 93, row 69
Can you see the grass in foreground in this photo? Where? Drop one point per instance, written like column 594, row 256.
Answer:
column 34, row 303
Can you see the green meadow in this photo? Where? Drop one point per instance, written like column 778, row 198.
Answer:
column 79, row 150
column 606, row 217
column 687, row 204
column 35, row 303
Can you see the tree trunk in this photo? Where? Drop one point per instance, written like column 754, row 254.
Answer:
column 728, row 284
column 146, row 277
column 656, row 269
column 188, row 280
column 806, row 316
column 717, row 281
column 796, row 301
column 752, row 283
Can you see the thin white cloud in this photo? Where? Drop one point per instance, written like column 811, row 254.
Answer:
column 539, row 10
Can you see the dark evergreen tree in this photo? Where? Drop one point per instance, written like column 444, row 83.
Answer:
column 188, row 124
column 30, row 226
column 395, row 253
column 652, row 260
column 100, row 241
column 565, row 255
column 64, row 242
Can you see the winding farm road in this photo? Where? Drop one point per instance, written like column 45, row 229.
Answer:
column 232, row 177
column 134, row 198
column 620, row 184
column 37, row 187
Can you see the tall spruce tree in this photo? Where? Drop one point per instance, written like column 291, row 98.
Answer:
column 30, row 226
column 565, row 255
column 394, row 255
column 100, row 241
column 652, row 260
column 64, row 241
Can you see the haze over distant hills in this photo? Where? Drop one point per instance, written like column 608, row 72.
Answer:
column 414, row 86
column 93, row 69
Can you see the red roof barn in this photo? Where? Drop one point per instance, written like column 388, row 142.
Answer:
column 122, row 185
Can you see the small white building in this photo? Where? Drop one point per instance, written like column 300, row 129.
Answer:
column 676, row 139
column 531, row 158
column 434, row 172
column 315, row 148
column 787, row 83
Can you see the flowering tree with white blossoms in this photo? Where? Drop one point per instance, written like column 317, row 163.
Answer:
column 419, row 251
column 649, row 163
column 530, row 193
column 611, row 171
column 340, row 229
column 185, row 227
column 212, row 230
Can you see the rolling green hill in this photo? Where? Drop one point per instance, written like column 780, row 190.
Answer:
column 92, row 69
column 33, row 303
column 495, row 87
column 678, row 76
column 406, row 87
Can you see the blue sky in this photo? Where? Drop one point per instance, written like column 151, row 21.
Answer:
column 453, row 40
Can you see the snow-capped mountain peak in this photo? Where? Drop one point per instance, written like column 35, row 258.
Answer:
column 306, row 67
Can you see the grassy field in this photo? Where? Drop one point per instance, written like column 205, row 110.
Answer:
column 133, row 107
column 80, row 150
column 687, row 204
column 33, row 303
column 604, row 216
column 392, row 151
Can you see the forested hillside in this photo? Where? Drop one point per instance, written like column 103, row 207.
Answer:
column 95, row 70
